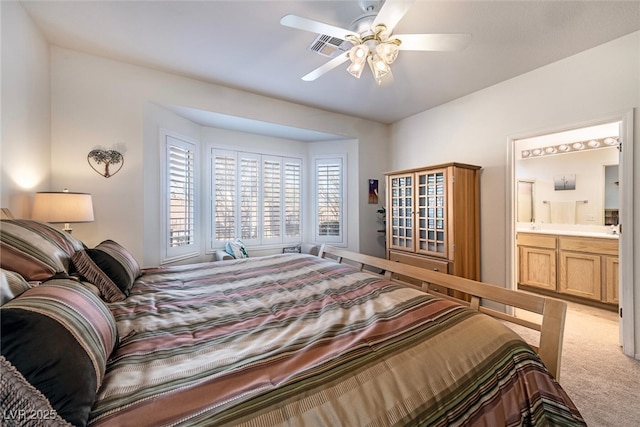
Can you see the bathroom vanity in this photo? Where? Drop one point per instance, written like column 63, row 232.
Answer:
column 580, row 265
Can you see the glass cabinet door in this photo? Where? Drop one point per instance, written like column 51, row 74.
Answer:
column 401, row 200
column 431, row 210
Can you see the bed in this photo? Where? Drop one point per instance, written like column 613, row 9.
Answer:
column 288, row 339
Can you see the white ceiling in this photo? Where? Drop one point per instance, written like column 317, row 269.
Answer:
column 241, row 44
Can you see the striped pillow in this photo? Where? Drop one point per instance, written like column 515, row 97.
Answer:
column 12, row 284
column 62, row 326
column 36, row 250
column 110, row 267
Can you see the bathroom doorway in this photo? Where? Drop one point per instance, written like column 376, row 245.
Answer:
column 549, row 182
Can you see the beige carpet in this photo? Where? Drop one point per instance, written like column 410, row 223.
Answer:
column 602, row 382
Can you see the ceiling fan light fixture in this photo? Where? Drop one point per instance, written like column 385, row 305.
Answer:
column 379, row 68
column 388, row 51
column 359, row 53
column 373, row 42
column 355, row 69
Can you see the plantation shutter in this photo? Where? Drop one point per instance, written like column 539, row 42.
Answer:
column 329, row 200
column 271, row 198
column 224, row 177
column 293, row 199
column 181, row 200
column 249, row 197
column 179, row 218
column 255, row 197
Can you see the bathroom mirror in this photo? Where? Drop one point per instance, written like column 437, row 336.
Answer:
column 585, row 158
column 525, row 200
column 611, row 190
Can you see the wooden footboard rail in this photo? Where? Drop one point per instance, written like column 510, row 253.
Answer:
column 552, row 311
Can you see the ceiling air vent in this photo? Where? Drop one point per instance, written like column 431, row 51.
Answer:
column 328, row 46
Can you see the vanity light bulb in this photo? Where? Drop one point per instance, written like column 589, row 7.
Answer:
column 550, row 150
column 526, row 153
column 578, row 145
column 563, row 147
column 537, row 152
column 593, row 143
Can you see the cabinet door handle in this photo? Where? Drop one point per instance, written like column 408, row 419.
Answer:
column 435, row 269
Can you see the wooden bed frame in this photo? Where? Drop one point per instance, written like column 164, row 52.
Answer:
column 552, row 311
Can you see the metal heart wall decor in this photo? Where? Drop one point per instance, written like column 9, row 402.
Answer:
column 99, row 157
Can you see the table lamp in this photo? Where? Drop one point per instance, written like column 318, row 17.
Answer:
column 63, row 207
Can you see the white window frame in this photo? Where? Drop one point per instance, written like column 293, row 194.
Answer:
column 176, row 253
column 323, row 160
column 213, row 242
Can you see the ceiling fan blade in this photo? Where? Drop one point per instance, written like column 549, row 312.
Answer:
column 317, row 27
column 391, row 13
column 328, row 66
column 435, row 42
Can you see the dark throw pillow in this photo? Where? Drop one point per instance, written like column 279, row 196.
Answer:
column 110, row 267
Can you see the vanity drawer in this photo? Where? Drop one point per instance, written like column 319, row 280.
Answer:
column 601, row 246
column 537, row 240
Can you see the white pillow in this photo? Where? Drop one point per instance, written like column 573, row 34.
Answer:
column 236, row 249
column 12, row 284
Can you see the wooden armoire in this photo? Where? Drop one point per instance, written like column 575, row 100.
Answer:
column 433, row 218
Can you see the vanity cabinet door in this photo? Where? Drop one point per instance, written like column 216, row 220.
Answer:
column 580, row 274
column 611, row 279
column 537, row 267
column 587, row 267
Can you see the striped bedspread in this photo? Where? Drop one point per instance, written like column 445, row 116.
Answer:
column 301, row 341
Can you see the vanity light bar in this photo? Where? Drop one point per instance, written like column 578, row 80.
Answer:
column 611, row 141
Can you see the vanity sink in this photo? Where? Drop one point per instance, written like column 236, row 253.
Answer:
column 582, row 233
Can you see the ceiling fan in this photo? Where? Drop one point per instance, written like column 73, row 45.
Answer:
column 372, row 39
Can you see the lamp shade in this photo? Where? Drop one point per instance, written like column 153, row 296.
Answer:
column 63, row 207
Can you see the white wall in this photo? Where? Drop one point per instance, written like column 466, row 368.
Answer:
column 25, row 150
column 477, row 129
